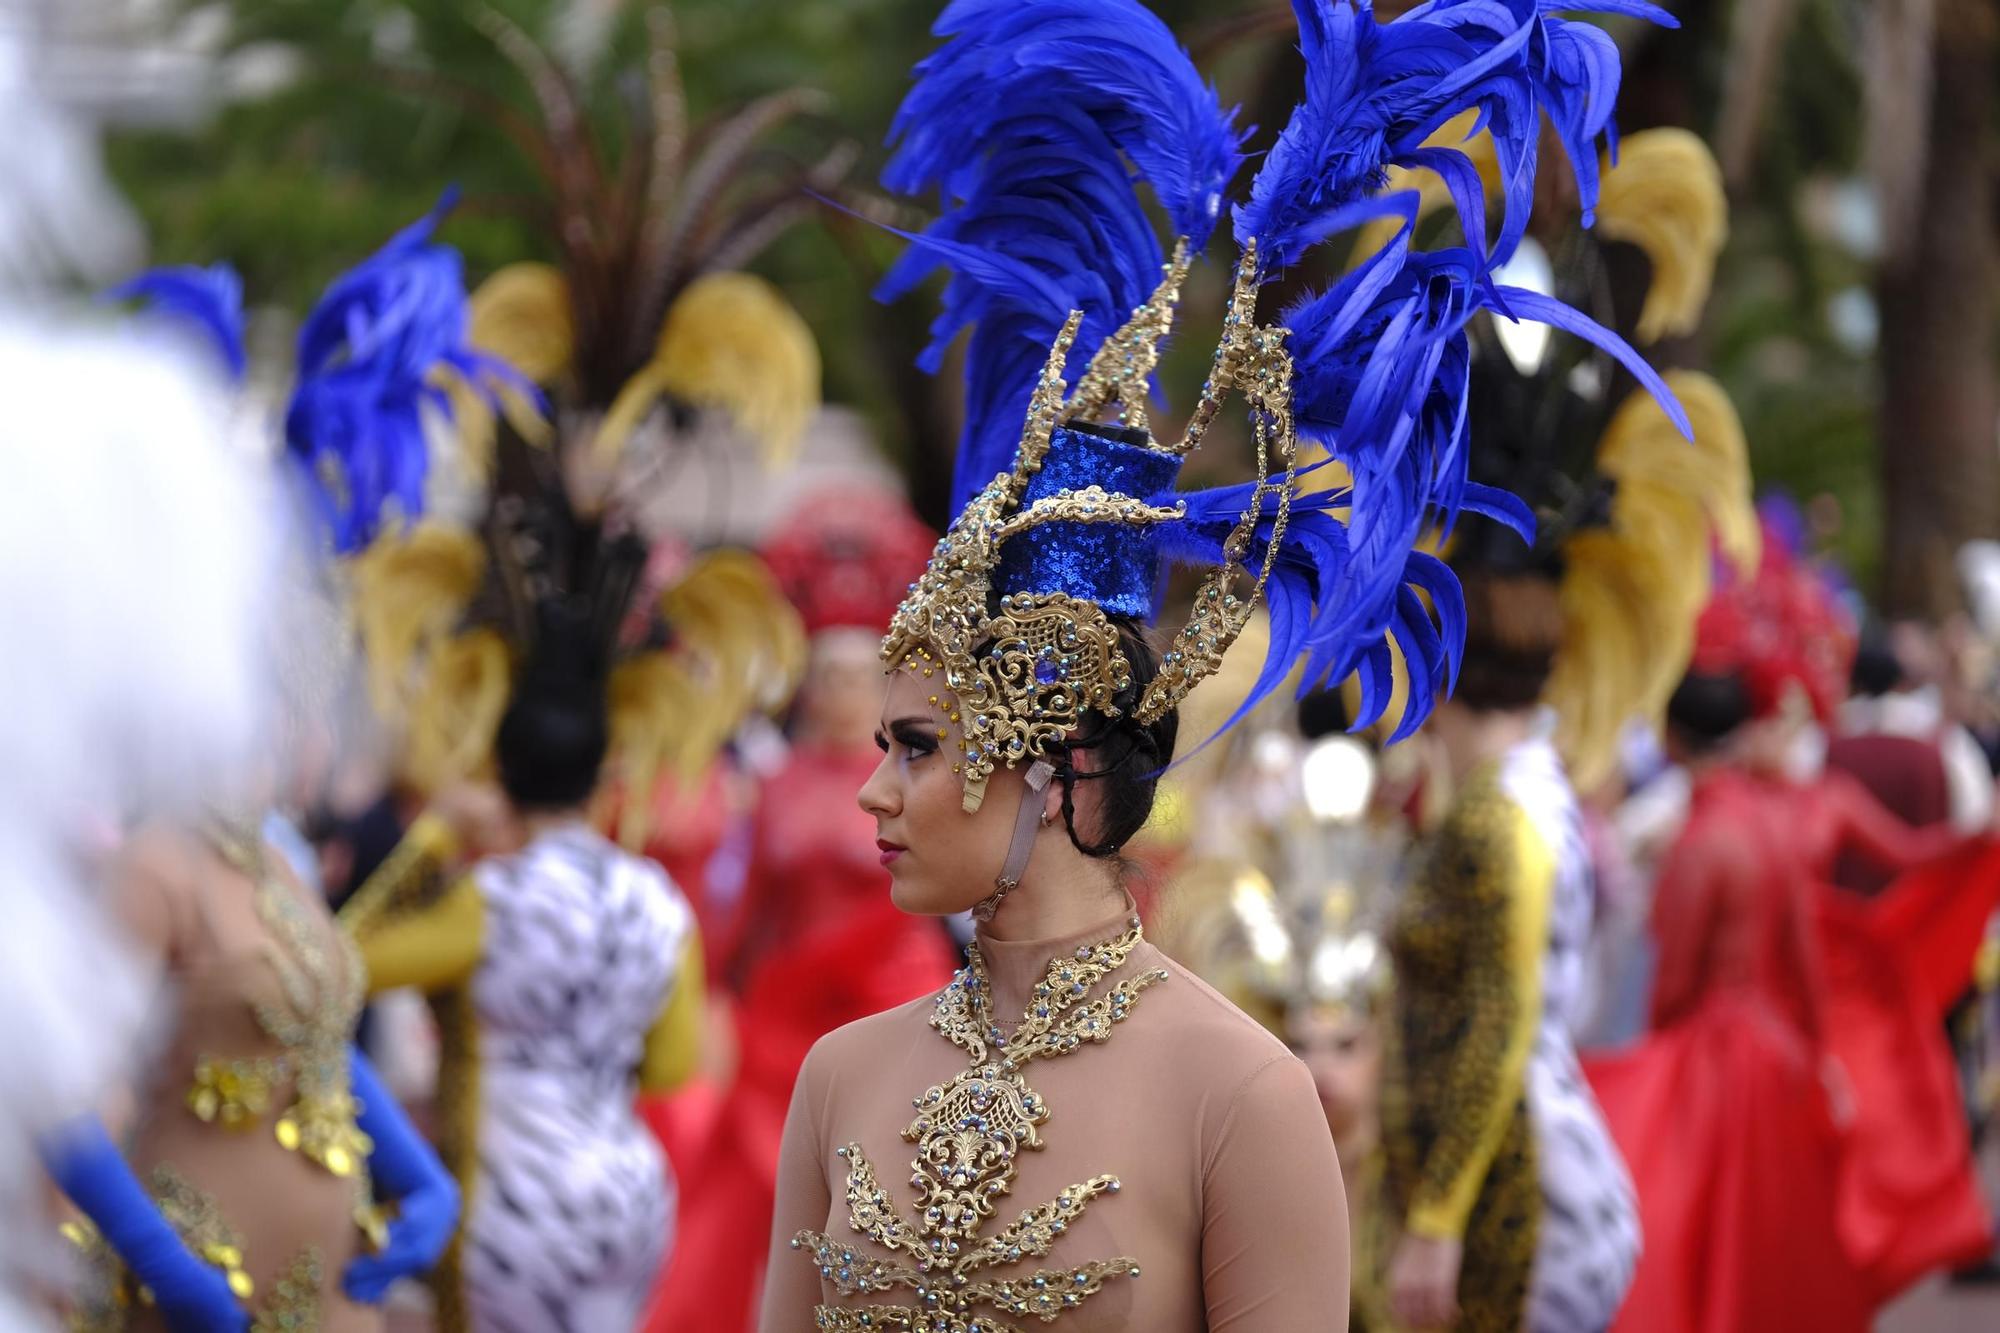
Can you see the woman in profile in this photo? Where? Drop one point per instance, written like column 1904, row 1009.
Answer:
column 1233, row 1215
column 1094, row 1138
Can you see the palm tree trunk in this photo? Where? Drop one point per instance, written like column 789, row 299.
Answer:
column 1940, row 427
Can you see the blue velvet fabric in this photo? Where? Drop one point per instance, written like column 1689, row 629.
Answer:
column 1115, row 565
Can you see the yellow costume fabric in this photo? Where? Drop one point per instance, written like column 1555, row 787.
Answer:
column 1458, row 1151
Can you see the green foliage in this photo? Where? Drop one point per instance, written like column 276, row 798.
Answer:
column 400, row 97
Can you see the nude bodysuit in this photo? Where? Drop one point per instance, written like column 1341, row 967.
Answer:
column 247, row 1137
column 1163, row 1163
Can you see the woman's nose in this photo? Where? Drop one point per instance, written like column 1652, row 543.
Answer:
column 877, row 795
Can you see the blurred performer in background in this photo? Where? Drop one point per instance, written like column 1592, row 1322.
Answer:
column 569, row 975
column 1830, row 1003
column 641, row 334
column 264, row 1138
column 1569, row 643
column 816, row 941
column 1894, row 964
column 1724, row 1112
column 1512, row 1204
column 1305, row 959
column 1276, row 850
column 149, row 526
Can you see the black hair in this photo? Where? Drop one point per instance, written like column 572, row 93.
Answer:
column 1126, row 756
column 1706, row 708
column 554, row 735
column 1876, row 670
column 1513, row 629
column 1323, row 713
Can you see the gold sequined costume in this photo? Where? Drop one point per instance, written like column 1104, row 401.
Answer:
column 1458, row 1148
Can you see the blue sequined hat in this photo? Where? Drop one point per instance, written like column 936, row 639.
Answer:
column 1115, row 565
column 1037, row 121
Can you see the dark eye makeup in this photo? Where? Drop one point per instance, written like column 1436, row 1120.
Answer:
column 917, row 735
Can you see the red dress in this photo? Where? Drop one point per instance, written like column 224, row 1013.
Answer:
column 1910, row 1201
column 1721, row 1111
column 817, row 944
column 1769, row 977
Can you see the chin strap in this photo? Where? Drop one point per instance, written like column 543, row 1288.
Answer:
column 1026, row 822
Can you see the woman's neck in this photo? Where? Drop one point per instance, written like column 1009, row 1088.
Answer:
column 1061, row 892
column 534, row 823
column 1488, row 736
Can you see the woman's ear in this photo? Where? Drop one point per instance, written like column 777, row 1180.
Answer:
column 1052, row 800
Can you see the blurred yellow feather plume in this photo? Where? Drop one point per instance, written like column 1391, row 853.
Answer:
column 1665, row 196
column 456, row 713
column 521, row 314
column 729, row 341
column 738, row 648
column 1631, row 590
column 410, row 590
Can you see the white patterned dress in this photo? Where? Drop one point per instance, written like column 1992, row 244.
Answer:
column 573, row 1207
column 1587, row 1244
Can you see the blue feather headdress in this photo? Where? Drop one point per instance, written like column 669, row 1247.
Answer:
column 1037, row 123
column 370, row 356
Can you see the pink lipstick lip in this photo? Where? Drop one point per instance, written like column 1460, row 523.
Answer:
column 890, row 851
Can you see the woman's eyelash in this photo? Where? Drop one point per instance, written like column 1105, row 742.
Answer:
column 917, row 744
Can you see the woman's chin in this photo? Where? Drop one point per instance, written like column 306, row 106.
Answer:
column 911, row 894
column 907, row 895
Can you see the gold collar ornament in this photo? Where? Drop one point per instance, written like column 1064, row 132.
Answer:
column 969, row 1134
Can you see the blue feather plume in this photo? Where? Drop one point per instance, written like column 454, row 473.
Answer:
column 366, row 355
column 1381, row 373
column 1376, row 91
column 1113, row 60
column 1312, row 555
column 1036, row 121
column 211, row 299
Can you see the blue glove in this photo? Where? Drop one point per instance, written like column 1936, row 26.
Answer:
column 192, row 1296
column 404, row 1169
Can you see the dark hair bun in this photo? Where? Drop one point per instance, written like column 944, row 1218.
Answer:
column 1706, row 707
column 1122, row 757
column 1513, row 627
column 553, row 737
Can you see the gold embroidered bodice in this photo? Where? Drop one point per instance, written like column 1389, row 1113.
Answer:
column 968, row 1134
column 324, row 985
column 269, row 991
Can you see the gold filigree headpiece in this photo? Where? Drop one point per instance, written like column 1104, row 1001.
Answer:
column 1024, row 634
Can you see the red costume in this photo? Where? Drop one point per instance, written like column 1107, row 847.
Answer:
column 815, row 941
column 1721, row 1112
column 1909, row 1198
column 1782, row 1003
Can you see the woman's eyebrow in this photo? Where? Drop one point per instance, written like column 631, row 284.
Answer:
column 920, row 726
